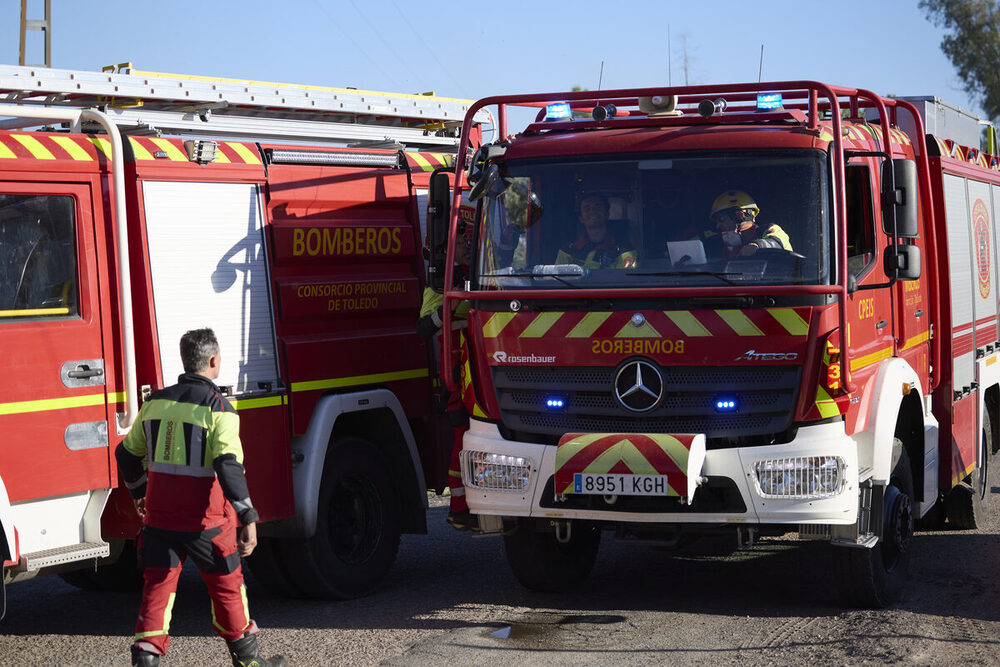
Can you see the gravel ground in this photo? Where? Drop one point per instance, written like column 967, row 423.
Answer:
column 451, row 600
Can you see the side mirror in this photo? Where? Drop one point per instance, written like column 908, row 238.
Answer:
column 438, row 216
column 486, row 183
column 899, row 198
column 901, row 262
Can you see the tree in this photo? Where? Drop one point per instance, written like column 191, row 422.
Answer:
column 972, row 45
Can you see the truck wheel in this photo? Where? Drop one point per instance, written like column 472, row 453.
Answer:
column 875, row 577
column 968, row 504
column 266, row 567
column 542, row 563
column 121, row 576
column 357, row 527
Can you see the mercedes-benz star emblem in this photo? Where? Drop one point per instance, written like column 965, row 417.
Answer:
column 638, row 386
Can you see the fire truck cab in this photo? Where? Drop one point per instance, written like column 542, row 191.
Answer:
column 637, row 366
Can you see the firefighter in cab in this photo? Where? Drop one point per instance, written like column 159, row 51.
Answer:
column 734, row 214
column 182, row 462
column 595, row 247
column 429, row 326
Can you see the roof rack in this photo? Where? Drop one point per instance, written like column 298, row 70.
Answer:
column 158, row 104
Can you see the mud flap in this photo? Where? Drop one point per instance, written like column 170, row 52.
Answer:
column 678, row 457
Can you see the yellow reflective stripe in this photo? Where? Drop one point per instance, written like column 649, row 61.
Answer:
column 423, row 163
column 632, row 331
column 687, row 323
column 116, row 397
column 792, row 321
column 168, row 147
column 739, row 322
column 34, row 147
column 496, row 323
column 916, row 340
column 140, row 151
column 248, row 155
column 540, row 325
column 251, row 403
column 5, row 151
column 167, row 614
column 103, row 145
column 25, row 312
column 221, row 158
column 588, row 325
column 74, row 149
column 869, row 359
column 827, row 406
column 45, row 404
column 334, row 383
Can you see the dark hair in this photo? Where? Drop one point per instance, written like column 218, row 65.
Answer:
column 197, row 346
column 593, row 195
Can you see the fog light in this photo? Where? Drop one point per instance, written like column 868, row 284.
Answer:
column 496, row 472
column 800, row 477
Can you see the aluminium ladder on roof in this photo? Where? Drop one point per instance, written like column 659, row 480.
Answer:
column 147, row 103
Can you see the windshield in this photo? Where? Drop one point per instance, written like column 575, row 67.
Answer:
column 682, row 220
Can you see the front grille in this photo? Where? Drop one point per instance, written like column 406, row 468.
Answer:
column 766, row 402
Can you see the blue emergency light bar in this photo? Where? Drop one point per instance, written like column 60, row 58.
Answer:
column 769, row 101
column 555, row 402
column 558, row 111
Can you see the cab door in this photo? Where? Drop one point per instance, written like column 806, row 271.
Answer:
column 53, row 414
column 869, row 311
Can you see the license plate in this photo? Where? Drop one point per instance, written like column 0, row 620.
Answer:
column 609, row 484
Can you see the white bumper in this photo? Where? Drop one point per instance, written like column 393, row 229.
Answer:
column 736, row 464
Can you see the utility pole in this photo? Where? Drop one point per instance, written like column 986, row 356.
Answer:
column 45, row 25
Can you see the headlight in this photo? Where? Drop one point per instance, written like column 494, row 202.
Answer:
column 496, row 472
column 800, row 477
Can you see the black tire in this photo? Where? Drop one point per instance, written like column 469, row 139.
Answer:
column 268, row 569
column 874, row 578
column 121, row 576
column 357, row 527
column 968, row 504
column 542, row 563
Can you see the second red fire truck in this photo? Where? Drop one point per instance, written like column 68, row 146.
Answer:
column 136, row 206
column 762, row 308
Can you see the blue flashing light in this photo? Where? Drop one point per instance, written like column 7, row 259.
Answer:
column 769, row 101
column 558, row 111
column 555, row 402
column 726, row 404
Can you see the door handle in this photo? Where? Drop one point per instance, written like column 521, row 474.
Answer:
column 919, row 313
column 85, row 373
column 881, row 325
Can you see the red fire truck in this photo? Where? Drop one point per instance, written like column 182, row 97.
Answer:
column 284, row 217
column 828, row 367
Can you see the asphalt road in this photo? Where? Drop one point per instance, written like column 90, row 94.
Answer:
column 451, row 600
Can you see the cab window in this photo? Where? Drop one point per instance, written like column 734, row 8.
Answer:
column 860, row 220
column 38, row 264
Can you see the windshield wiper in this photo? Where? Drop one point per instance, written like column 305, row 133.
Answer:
column 721, row 275
column 575, row 272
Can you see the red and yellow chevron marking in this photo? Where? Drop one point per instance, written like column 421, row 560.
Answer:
column 761, row 322
column 429, row 161
column 625, row 453
column 54, row 147
column 172, row 150
column 465, row 374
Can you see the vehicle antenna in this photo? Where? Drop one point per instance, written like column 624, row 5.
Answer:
column 601, row 77
column 760, row 70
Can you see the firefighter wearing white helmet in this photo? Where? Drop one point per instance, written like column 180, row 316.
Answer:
column 734, row 214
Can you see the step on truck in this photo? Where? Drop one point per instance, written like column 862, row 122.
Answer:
column 135, row 206
column 838, row 382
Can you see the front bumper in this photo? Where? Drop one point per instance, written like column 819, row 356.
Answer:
column 729, row 492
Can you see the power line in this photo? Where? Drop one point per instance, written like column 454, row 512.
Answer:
column 390, row 48
column 361, row 49
column 459, row 88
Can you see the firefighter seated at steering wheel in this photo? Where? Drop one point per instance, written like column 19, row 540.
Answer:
column 595, row 247
column 734, row 214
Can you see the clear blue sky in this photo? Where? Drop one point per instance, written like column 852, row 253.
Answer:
column 475, row 49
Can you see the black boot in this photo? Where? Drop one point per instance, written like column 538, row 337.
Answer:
column 142, row 658
column 245, row 653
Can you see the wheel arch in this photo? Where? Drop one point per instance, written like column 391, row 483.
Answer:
column 8, row 546
column 894, row 413
column 366, row 414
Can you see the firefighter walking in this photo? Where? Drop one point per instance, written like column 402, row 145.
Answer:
column 182, row 462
